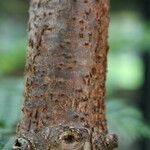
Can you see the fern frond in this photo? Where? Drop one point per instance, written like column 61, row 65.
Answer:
column 126, row 121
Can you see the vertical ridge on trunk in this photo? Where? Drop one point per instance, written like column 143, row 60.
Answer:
column 65, row 77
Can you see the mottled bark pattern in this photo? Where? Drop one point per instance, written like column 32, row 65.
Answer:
column 65, row 77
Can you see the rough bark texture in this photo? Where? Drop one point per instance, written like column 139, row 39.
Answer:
column 65, row 77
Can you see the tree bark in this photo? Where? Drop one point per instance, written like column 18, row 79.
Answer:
column 65, row 77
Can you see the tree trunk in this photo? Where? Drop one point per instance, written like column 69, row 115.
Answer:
column 65, row 77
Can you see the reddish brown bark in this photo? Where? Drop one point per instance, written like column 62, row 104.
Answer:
column 65, row 77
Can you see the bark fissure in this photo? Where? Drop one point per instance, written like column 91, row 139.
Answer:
column 65, row 77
